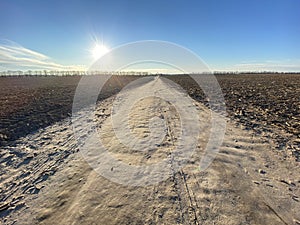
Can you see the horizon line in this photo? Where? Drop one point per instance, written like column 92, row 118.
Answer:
column 122, row 73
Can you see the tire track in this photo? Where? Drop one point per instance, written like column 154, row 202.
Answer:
column 36, row 158
column 185, row 200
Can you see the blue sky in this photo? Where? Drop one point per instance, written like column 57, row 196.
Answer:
column 227, row 35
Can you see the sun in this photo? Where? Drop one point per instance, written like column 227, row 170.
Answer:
column 99, row 50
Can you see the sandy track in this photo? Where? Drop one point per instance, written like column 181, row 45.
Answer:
column 247, row 183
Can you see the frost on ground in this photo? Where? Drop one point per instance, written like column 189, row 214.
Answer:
column 46, row 180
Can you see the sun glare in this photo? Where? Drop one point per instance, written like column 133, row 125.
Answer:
column 99, row 50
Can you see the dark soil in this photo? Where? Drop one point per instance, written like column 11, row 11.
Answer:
column 32, row 102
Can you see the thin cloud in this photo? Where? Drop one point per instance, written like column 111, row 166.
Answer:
column 269, row 65
column 15, row 57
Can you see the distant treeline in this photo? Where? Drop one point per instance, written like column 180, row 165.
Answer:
column 255, row 72
column 82, row 73
column 66, row 73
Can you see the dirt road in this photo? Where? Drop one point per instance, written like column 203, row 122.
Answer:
column 46, row 180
